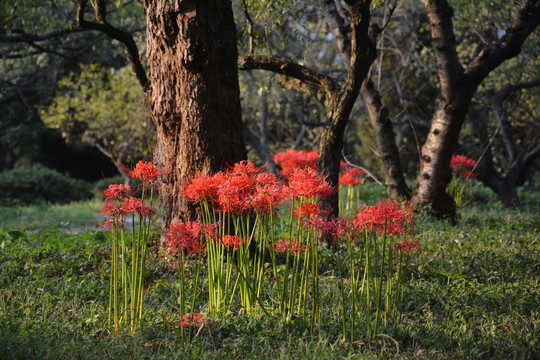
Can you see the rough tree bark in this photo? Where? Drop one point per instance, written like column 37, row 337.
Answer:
column 193, row 95
column 457, row 87
column 338, row 100
column 192, row 89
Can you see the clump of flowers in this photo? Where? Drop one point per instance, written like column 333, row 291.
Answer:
column 463, row 169
column 372, row 261
column 127, row 285
column 296, row 159
column 188, row 239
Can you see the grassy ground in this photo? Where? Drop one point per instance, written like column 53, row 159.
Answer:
column 474, row 292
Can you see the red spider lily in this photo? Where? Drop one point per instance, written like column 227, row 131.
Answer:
column 134, row 205
column 307, row 210
column 234, row 241
column 292, row 159
column 407, row 245
column 386, row 217
column 351, row 177
column 468, row 174
column 235, row 191
column 306, row 183
column 245, row 167
column 267, row 196
column 289, row 245
column 463, row 166
column 193, row 319
column 113, row 210
column 204, row 187
column 145, row 171
column 187, row 237
column 117, row 192
column 336, row 227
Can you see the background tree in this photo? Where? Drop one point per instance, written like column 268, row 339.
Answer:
column 337, row 100
column 457, row 87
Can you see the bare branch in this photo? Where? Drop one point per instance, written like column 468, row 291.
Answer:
column 509, row 46
column 123, row 36
column 303, row 79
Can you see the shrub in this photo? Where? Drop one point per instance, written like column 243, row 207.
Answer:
column 35, row 183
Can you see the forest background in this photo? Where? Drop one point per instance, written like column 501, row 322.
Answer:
column 71, row 104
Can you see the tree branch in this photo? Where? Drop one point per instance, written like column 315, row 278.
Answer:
column 509, row 46
column 302, row 79
column 123, row 36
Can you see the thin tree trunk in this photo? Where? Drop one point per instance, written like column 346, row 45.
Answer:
column 382, row 126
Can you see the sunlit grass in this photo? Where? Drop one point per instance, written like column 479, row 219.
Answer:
column 75, row 216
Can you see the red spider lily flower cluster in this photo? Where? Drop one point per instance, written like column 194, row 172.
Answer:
column 293, row 159
column 407, row 246
column 268, row 194
column 245, row 188
column 233, row 241
column 307, row 210
column 188, row 237
column 193, row 319
column 144, row 171
column 115, row 210
column 117, row 192
column 351, row 177
column 463, row 166
column 306, row 183
column 119, row 200
column 386, row 217
column 336, row 227
column 289, row 245
column 240, row 189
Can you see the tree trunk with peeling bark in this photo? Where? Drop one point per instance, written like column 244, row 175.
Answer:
column 457, row 88
column 193, row 94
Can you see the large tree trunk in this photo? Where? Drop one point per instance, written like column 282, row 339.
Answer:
column 193, row 95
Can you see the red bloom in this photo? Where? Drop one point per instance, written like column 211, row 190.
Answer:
column 289, row 245
column 145, row 171
column 234, row 241
column 407, row 245
column 117, row 192
column 463, row 166
column 204, row 187
column 245, row 167
column 234, row 193
column 134, row 205
column 386, row 217
column 307, row 210
column 187, row 237
column 193, row 319
column 351, row 177
column 268, row 195
column 306, row 183
column 292, row 159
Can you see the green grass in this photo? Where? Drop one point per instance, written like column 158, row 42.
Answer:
column 474, row 292
column 74, row 216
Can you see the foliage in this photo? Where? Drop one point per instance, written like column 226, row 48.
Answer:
column 33, row 183
column 103, row 108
